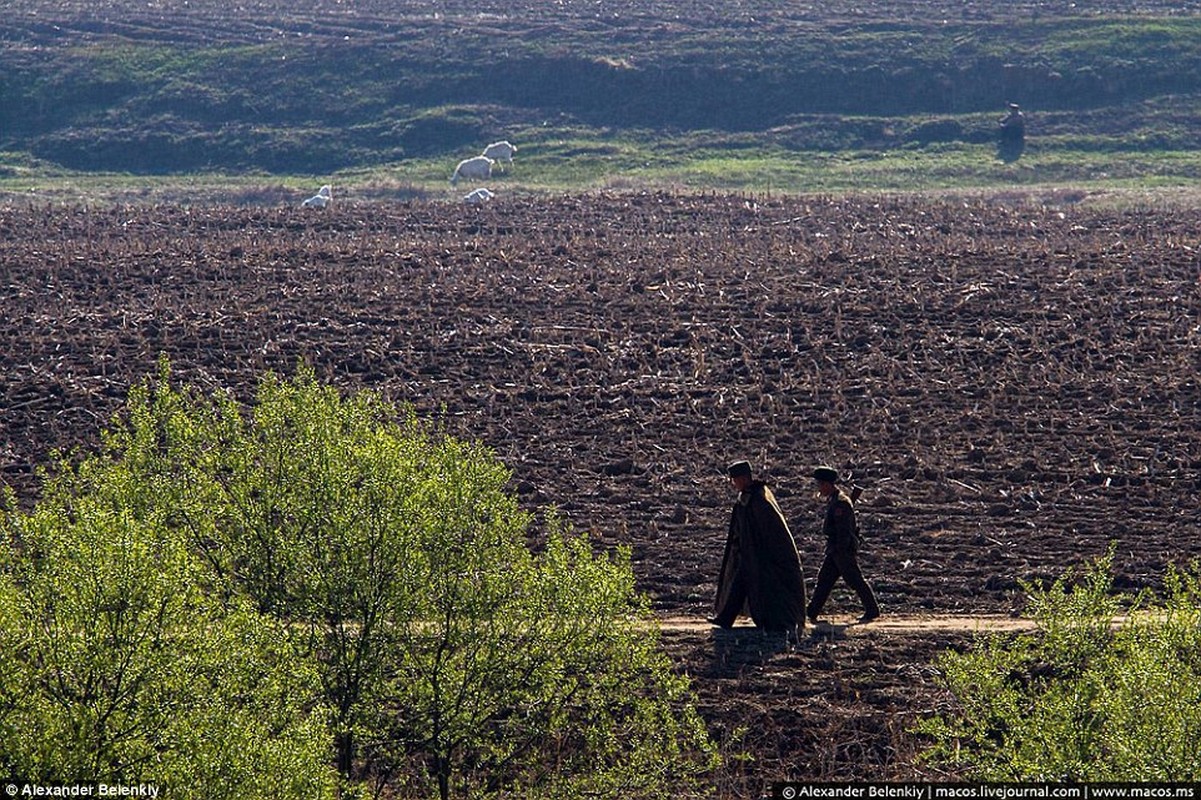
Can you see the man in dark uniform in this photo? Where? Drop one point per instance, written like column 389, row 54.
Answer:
column 842, row 548
column 1012, row 140
column 761, row 569
column 1013, row 123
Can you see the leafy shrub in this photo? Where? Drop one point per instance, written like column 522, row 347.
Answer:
column 120, row 665
column 1086, row 698
column 453, row 659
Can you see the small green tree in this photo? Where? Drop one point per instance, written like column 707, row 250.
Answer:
column 542, row 676
column 119, row 666
column 1089, row 697
column 451, row 654
column 452, row 657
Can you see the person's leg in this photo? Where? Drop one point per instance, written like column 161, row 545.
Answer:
column 826, row 577
column 848, row 565
column 732, row 603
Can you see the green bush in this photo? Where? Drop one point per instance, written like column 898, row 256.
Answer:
column 452, row 658
column 120, row 665
column 1091, row 696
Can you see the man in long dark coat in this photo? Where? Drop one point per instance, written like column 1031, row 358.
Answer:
column 761, row 569
column 1012, row 140
column 842, row 549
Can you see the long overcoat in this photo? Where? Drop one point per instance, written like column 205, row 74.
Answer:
column 761, row 569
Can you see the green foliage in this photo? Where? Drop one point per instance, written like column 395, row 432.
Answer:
column 543, row 673
column 337, row 554
column 120, row 666
column 1085, row 698
column 450, row 652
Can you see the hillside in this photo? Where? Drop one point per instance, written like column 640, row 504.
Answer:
column 316, row 86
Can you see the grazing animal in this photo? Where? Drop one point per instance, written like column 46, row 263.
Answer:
column 323, row 198
column 480, row 195
column 476, row 169
column 500, row 151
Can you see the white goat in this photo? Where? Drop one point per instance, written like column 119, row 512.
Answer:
column 323, row 198
column 480, row 195
column 476, row 169
column 500, row 151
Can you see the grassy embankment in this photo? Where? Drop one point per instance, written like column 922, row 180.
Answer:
column 778, row 105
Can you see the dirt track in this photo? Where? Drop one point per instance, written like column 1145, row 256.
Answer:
column 887, row 625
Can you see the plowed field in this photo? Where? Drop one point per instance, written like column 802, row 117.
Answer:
column 1015, row 385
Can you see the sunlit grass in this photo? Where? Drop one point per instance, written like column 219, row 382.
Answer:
column 605, row 161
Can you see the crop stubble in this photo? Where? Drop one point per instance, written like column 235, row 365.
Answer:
column 1015, row 385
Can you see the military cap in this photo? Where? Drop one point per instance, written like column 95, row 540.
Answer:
column 828, row 474
column 739, row 469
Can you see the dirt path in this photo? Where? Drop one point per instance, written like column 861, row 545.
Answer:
column 895, row 624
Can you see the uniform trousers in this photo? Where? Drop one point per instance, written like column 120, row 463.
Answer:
column 842, row 562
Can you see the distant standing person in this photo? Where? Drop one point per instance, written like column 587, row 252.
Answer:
column 1013, row 124
column 1012, row 140
column 761, row 569
column 842, row 549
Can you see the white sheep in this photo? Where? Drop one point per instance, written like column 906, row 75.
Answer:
column 478, row 168
column 323, row 198
column 500, row 151
column 480, row 195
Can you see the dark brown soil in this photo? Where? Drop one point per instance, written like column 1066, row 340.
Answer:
column 1014, row 384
